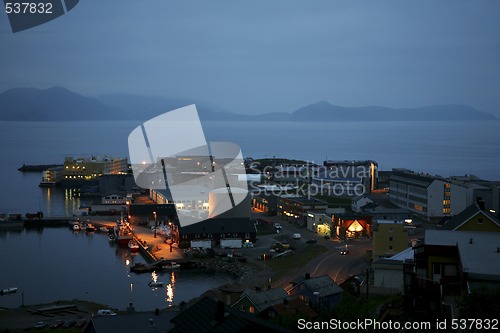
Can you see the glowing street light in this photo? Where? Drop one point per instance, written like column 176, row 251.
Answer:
column 154, row 213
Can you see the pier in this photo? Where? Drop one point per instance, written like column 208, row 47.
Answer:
column 37, row 167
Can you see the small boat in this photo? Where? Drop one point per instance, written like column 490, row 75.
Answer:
column 103, row 229
column 8, row 291
column 170, row 265
column 133, row 246
column 89, row 227
column 111, row 238
column 76, row 227
column 155, row 284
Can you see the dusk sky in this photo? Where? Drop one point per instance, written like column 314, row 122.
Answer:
column 266, row 56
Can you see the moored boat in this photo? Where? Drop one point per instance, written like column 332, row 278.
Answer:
column 170, row 265
column 123, row 233
column 133, row 246
column 77, row 227
column 8, row 291
column 155, row 284
column 89, row 227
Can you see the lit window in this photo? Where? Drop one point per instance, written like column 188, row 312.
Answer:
column 251, row 309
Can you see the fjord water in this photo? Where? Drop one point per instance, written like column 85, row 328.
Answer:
column 51, row 264
column 444, row 148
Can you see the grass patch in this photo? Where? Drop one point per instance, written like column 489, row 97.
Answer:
column 336, row 201
column 265, row 229
column 281, row 266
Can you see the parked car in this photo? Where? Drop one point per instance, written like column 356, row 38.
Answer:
column 344, row 252
column 105, row 312
column 277, row 226
column 40, row 325
column 57, row 324
column 296, row 236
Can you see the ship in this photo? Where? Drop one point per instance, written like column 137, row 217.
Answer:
column 123, row 233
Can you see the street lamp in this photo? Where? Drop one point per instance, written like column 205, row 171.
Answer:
column 154, row 213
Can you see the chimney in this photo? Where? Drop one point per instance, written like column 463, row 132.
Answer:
column 480, row 203
column 308, row 276
column 219, row 312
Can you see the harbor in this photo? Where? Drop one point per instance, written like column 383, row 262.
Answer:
column 60, row 264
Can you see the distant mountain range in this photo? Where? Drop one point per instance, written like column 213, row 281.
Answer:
column 60, row 104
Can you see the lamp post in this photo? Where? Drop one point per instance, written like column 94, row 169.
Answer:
column 154, row 213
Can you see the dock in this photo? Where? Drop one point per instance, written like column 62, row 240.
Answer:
column 37, row 167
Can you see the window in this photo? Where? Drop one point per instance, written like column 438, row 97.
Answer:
column 390, row 239
column 436, row 268
column 251, row 309
column 479, row 221
column 197, row 236
column 390, row 247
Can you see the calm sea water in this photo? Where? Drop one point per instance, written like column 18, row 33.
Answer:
column 52, row 264
column 444, row 148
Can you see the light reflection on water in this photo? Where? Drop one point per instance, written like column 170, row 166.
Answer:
column 58, row 264
column 170, row 290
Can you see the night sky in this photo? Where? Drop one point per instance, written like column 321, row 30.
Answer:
column 266, row 56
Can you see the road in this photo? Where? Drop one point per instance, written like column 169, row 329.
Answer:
column 339, row 267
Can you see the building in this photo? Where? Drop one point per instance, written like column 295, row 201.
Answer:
column 294, row 208
column 114, row 198
column 474, row 218
column 52, row 176
column 295, row 308
column 433, row 197
column 318, row 292
column 320, row 221
column 389, row 238
column 388, row 274
column 448, row 265
column 358, row 202
column 209, row 315
column 92, row 167
column 293, row 175
column 254, row 301
column 345, row 178
column 350, row 225
column 213, row 231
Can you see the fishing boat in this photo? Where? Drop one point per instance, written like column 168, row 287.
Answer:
column 170, row 266
column 155, row 284
column 89, row 227
column 77, row 227
column 8, row 291
column 123, row 233
column 133, row 246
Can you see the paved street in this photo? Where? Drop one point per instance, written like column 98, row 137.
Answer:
column 332, row 263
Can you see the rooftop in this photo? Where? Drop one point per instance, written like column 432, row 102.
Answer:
column 479, row 251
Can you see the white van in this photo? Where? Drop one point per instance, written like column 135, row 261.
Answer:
column 296, row 236
column 105, row 312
